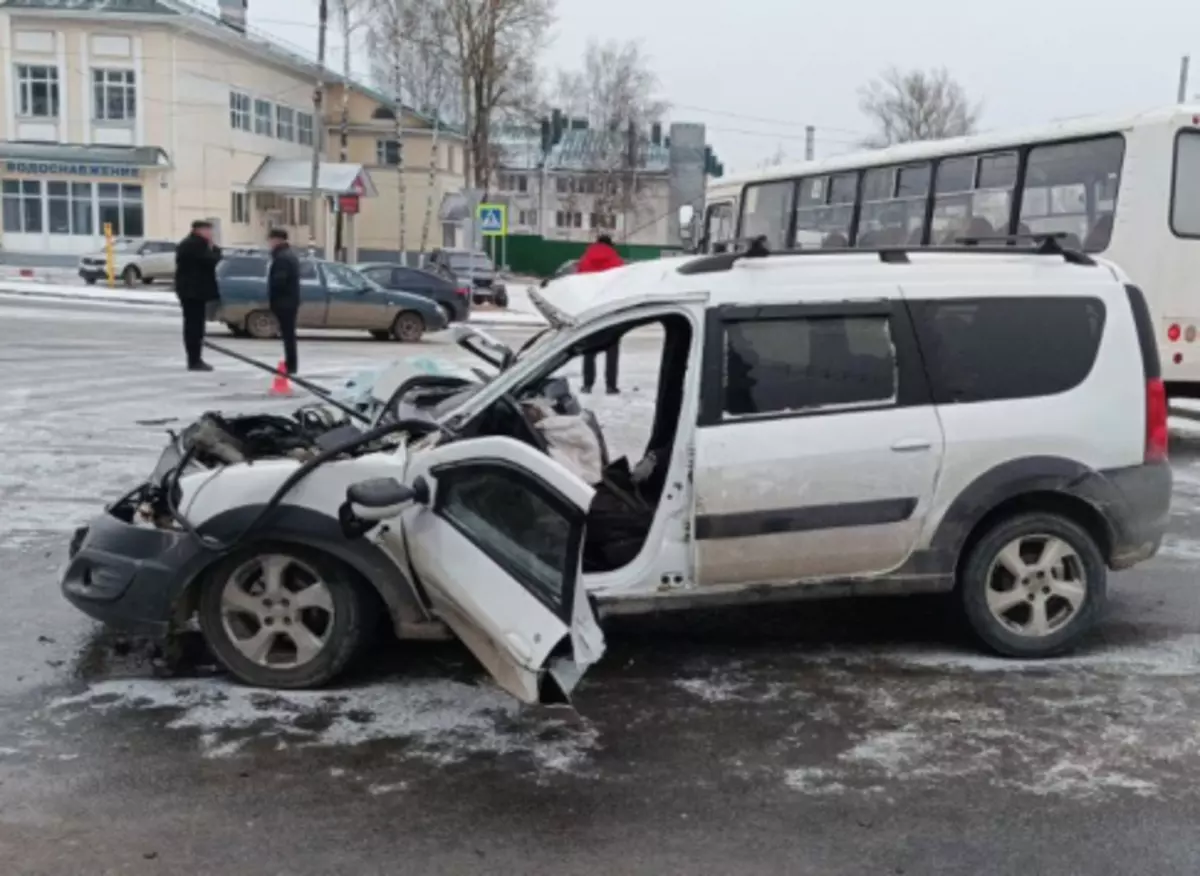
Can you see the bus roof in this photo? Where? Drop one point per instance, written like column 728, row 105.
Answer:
column 902, row 153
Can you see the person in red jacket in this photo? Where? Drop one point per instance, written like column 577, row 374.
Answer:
column 601, row 256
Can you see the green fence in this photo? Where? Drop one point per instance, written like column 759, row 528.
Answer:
column 538, row 257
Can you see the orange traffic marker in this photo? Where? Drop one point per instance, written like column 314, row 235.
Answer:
column 281, row 385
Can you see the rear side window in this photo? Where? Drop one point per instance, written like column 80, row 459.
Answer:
column 1006, row 348
column 1185, row 195
column 243, row 266
column 800, row 365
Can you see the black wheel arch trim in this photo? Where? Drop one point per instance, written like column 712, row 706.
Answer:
column 308, row 528
column 1013, row 479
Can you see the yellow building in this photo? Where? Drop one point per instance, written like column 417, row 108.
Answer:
column 148, row 114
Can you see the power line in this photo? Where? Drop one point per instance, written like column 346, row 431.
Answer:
column 767, row 121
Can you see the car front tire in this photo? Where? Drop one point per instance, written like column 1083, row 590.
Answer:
column 1033, row 585
column 131, row 275
column 262, row 324
column 408, row 327
column 282, row 616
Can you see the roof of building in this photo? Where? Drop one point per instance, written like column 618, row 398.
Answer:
column 577, row 150
column 294, row 176
column 79, row 153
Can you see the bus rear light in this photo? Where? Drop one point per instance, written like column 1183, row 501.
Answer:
column 1173, row 332
column 1177, row 358
column 1189, row 333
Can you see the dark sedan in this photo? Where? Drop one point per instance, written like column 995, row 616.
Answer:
column 455, row 302
column 332, row 296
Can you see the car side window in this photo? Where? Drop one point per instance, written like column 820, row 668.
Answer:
column 378, row 275
column 519, row 523
column 968, row 345
column 799, row 365
column 243, row 266
column 339, row 278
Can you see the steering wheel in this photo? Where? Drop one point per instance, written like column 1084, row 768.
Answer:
column 532, row 434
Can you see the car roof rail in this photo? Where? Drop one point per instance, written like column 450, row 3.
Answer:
column 1047, row 244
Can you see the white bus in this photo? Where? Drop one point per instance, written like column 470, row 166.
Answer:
column 1125, row 187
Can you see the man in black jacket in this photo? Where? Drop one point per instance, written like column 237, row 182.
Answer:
column 196, row 259
column 283, row 289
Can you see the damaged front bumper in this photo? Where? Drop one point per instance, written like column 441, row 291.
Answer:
column 127, row 576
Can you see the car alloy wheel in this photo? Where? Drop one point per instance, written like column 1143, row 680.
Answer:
column 282, row 616
column 1036, row 585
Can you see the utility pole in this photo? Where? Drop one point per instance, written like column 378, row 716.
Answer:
column 1184, row 63
column 314, row 196
column 810, row 142
column 339, row 246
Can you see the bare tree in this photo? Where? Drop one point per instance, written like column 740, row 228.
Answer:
column 917, row 105
column 616, row 90
column 493, row 45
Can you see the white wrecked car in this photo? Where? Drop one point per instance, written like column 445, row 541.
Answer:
column 809, row 439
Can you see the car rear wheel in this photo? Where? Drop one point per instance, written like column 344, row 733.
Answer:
column 1033, row 585
column 131, row 275
column 408, row 327
column 262, row 324
column 282, row 616
column 500, row 299
column 91, row 281
column 148, row 280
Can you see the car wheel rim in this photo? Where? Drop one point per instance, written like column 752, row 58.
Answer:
column 277, row 611
column 408, row 328
column 261, row 325
column 1036, row 585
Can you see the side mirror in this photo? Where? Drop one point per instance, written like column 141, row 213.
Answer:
column 379, row 498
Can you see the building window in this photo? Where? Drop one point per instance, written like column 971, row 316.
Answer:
column 239, row 111
column 604, row 220
column 239, row 208
column 285, row 127
column 387, row 152
column 527, row 218
column 264, row 118
column 70, row 208
column 114, row 94
column 121, row 206
column 302, row 213
column 568, row 219
column 304, row 129
column 37, row 91
column 22, row 206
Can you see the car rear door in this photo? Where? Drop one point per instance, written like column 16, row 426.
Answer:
column 496, row 544
column 314, row 299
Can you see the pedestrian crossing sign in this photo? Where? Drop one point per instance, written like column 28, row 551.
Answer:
column 493, row 220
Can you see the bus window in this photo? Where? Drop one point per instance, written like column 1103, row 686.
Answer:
column 765, row 211
column 718, row 225
column 973, row 197
column 893, row 208
column 1185, row 198
column 825, row 211
column 1071, row 188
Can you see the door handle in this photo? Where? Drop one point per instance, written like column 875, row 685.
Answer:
column 909, row 445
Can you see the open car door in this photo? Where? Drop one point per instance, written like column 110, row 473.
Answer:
column 496, row 540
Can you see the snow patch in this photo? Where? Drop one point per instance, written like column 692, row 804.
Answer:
column 442, row 721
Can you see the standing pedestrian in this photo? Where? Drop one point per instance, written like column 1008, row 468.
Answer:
column 601, row 256
column 196, row 258
column 283, row 289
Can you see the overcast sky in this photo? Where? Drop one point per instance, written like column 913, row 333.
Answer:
column 757, row 71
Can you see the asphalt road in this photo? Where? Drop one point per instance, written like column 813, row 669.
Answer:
column 842, row 738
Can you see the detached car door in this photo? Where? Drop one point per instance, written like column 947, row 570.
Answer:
column 496, row 544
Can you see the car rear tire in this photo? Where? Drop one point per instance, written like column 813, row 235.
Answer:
column 408, row 327
column 131, row 275
column 1033, row 585
column 91, row 281
column 149, row 281
column 381, row 334
column 262, row 324
column 500, row 298
column 282, row 616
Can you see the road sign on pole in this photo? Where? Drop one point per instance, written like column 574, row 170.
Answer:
column 493, row 219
